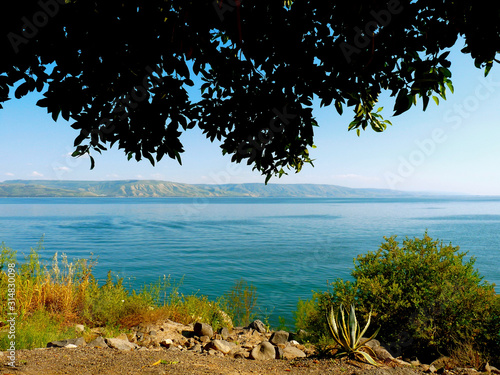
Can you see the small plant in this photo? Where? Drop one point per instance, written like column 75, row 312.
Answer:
column 348, row 335
column 240, row 302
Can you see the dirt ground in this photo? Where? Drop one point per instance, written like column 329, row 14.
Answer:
column 95, row 361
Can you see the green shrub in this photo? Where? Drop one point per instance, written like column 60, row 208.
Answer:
column 36, row 330
column 425, row 295
column 240, row 302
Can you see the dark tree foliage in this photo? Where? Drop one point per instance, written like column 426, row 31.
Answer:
column 120, row 70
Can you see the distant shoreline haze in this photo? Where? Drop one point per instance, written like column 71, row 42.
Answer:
column 165, row 189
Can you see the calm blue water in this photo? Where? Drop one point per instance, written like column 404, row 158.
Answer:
column 285, row 247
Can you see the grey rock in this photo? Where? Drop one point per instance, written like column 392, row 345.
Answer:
column 120, row 344
column 80, row 341
column 98, row 343
column 167, row 343
column 372, row 343
column 291, row 352
column 264, row 351
column 203, row 329
column 196, row 348
column 258, row 326
column 444, row 362
column 239, row 355
column 224, row 333
column 182, row 341
column 205, row 339
column 279, row 337
column 279, row 352
column 300, row 335
column 122, row 336
column 220, row 345
column 382, row 353
column 490, row 369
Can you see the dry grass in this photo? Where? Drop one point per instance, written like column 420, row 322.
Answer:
column 467, row 356
column 52, row 298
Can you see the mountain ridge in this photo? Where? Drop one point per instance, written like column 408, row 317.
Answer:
column 165, row 189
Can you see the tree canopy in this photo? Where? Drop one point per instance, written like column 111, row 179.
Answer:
column 123, row 72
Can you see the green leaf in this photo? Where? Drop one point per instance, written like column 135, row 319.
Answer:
column 436, row 99
column 450, row 86
column 338, row 107
column 402, row 103
column 488, row 67
column 425, row 100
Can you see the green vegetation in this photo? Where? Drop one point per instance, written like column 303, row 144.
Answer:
column 426, row 297
column 51, row 299
column 349, row 336
column 240, row 302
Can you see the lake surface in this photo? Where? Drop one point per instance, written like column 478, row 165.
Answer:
column 286, row 247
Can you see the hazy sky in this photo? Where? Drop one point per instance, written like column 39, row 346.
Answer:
column 453, row 147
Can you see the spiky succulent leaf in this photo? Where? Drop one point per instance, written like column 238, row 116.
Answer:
column 353, row 325
column 367, row 357
column 348, row 334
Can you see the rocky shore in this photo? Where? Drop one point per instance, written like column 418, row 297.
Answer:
column 167, row 347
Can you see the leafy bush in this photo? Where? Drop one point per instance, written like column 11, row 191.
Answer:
column 425, row 295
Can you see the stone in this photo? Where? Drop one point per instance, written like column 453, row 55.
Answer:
column 122, row 336
column 220, row 345
column 98, row 343
column 71, row 346
column 415, row 362
column 382, row 353
column 205, row 339
column 119, row 344
column 203, row 329
column 400, row 362
column 279, row 337
column 291, row 352
column 182, row 341
column 196, row 348
column 239, row 355
column 264, row 351
column 300, row 335
column 372, row 343
column 79, row 328
column 279, row 352
column 167, row 343
column 80, row 341
column 444, row 362
column 258, row 326
column 224, row 333
column 489, row 369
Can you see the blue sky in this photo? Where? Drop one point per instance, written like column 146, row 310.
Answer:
column 452, row 147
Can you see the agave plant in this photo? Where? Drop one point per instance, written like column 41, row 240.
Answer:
column 348, row 335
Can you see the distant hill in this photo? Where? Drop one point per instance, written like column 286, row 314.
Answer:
column 160, row 189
